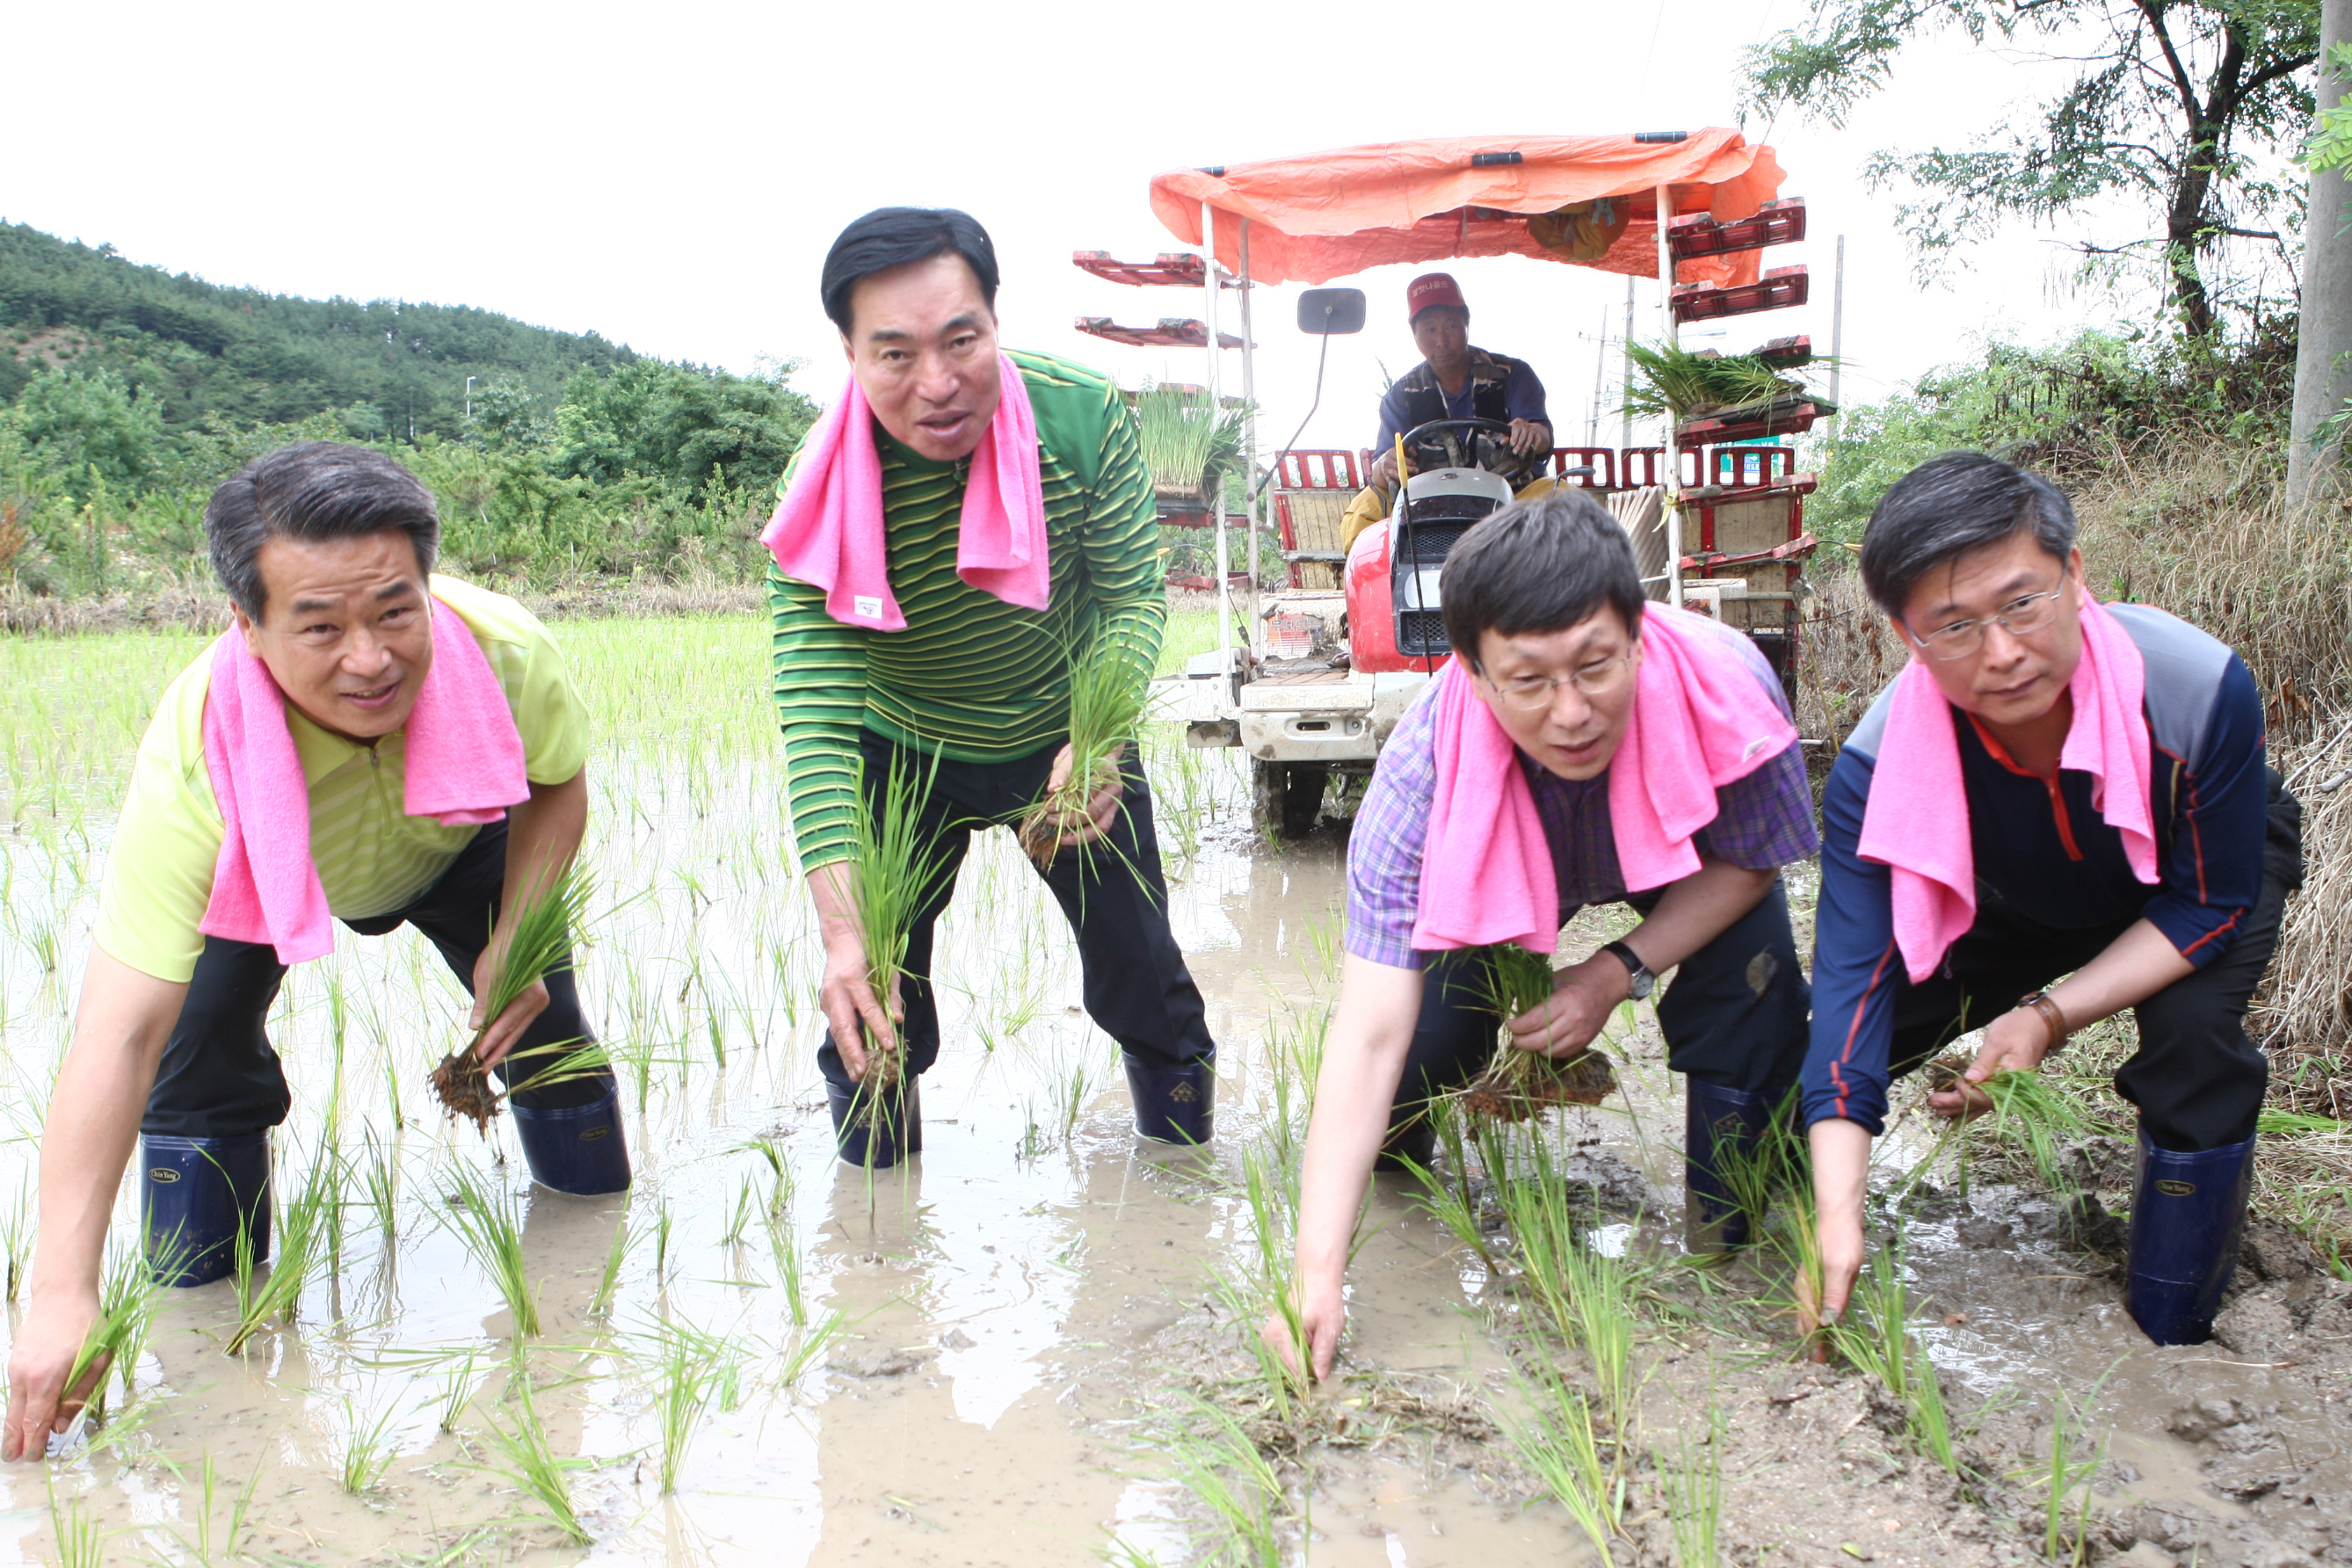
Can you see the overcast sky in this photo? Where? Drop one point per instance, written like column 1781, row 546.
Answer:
column 671, row 177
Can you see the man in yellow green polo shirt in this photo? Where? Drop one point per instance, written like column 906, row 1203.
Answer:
column 431, row 735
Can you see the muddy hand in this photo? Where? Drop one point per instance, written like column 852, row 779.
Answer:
column 42, row 1355
column 507, row 1029
column 1321, row 1314
column 1819, row 1307
column 1101, row 808
column 1581, row 999
column 847, row 1000
column 2014, row 1042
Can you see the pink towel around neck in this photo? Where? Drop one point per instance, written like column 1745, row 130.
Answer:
column 827, row 530
column 1700, row 719
column 464, row 767
column 1917, row 821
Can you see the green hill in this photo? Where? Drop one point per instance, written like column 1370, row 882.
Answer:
column 238, row 356
column 127, row 392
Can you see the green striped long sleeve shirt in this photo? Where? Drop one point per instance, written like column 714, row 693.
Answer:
column 970, row 678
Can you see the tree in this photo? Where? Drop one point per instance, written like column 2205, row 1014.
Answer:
column 2174, row 103
column 679, row 424
column 81, row 423
column 2323, row 350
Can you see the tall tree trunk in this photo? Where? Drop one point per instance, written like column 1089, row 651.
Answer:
column 2321, row 377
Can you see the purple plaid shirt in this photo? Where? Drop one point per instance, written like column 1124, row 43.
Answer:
column 1762, row 821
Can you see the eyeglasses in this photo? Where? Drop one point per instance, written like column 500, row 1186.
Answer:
column 1532, row 694
column 2018, row 618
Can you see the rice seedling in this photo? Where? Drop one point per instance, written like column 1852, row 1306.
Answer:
column 1453, row 1202
column 539, row 940
column 808, row 1347
column 204, row 1549
column 894, row 866
column 661, row 1242
column 485, row 1217
column 685, row 1374
column 1556, row 1440
column 1109, row 682
column 1516, row 1085
column 298, row 1232
column 529, row 1461
column 17, row 1230
column 380, row 1186
column 1875, row 1334
column 614, row 1256
column 2066, row 1505
column 365, row 1450
column 1681, row 383
column 456, row 1390
column 1694, row 1486
column 1189, row 444
column 80, row 1542
column 2032, row 1111
column 1221, row 1471
column 1588, row 1295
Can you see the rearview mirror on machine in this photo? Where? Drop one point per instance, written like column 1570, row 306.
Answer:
column 1328, row 313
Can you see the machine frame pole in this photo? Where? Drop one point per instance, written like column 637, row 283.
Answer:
column 1256, row 492
column 1837, row 331
column 1671, row 459
column 1224, row 572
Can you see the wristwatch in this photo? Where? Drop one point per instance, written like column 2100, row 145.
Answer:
column 2053, row 1018
column 1635, row 970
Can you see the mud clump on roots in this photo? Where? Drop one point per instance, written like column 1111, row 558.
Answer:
column 1064, row 811
column 462, row 1084
column 1521, row 1090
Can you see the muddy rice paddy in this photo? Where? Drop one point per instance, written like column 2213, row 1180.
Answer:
column 1035, row 1345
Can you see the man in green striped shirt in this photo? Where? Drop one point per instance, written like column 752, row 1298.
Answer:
column 972, row 697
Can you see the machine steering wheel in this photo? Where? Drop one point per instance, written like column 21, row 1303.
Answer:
column 1464, row 452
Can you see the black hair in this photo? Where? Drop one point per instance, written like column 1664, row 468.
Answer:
column 1538, row 565
column 1462, row 311
column 313, row 491
column 899, row 236
column 1948, row 506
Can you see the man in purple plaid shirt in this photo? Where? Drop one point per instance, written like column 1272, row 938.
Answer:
column 1543, row 602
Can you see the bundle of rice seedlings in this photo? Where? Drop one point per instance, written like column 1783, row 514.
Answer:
column 1517, row 1085
column 896, row 865
column 1682, row 384
column 1875, row 1334
column 541, row 943
column 1188, row 443
column 1110, row 691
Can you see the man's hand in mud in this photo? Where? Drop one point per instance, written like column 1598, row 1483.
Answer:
column 508, row 1027
column 46, row 1345
column 1322, row 1313
column 1582, row 997
column 848, row 1001
column 1101, row 808
column 2014, row 1042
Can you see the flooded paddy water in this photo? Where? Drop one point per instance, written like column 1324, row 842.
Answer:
column 1034, row 1344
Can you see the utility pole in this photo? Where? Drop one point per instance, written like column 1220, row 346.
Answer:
column 1599, row 371
column 1837, row 333
column 1625, row 380
column 2323, row 377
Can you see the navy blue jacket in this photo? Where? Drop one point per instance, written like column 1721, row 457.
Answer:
column 2048, row 857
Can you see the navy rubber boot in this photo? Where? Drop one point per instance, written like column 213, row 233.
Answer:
column 1174, row 1104
column 581, row 1150
column 1721, row 1126
column 2188, row 1212
column 193, row 1196
column 876, row 1129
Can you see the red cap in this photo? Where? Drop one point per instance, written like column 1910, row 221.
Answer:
column 1432, row 288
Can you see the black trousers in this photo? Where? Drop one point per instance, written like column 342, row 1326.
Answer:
column 1135, row 982
column 2197, row 1079
column 1734, row 1016
column 220, row 1078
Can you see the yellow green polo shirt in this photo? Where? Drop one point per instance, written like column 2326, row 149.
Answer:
column 373, row 857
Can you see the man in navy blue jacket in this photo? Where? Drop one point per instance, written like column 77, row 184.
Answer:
column 1974, row 563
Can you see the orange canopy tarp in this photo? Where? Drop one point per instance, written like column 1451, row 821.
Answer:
column 1329, row 215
